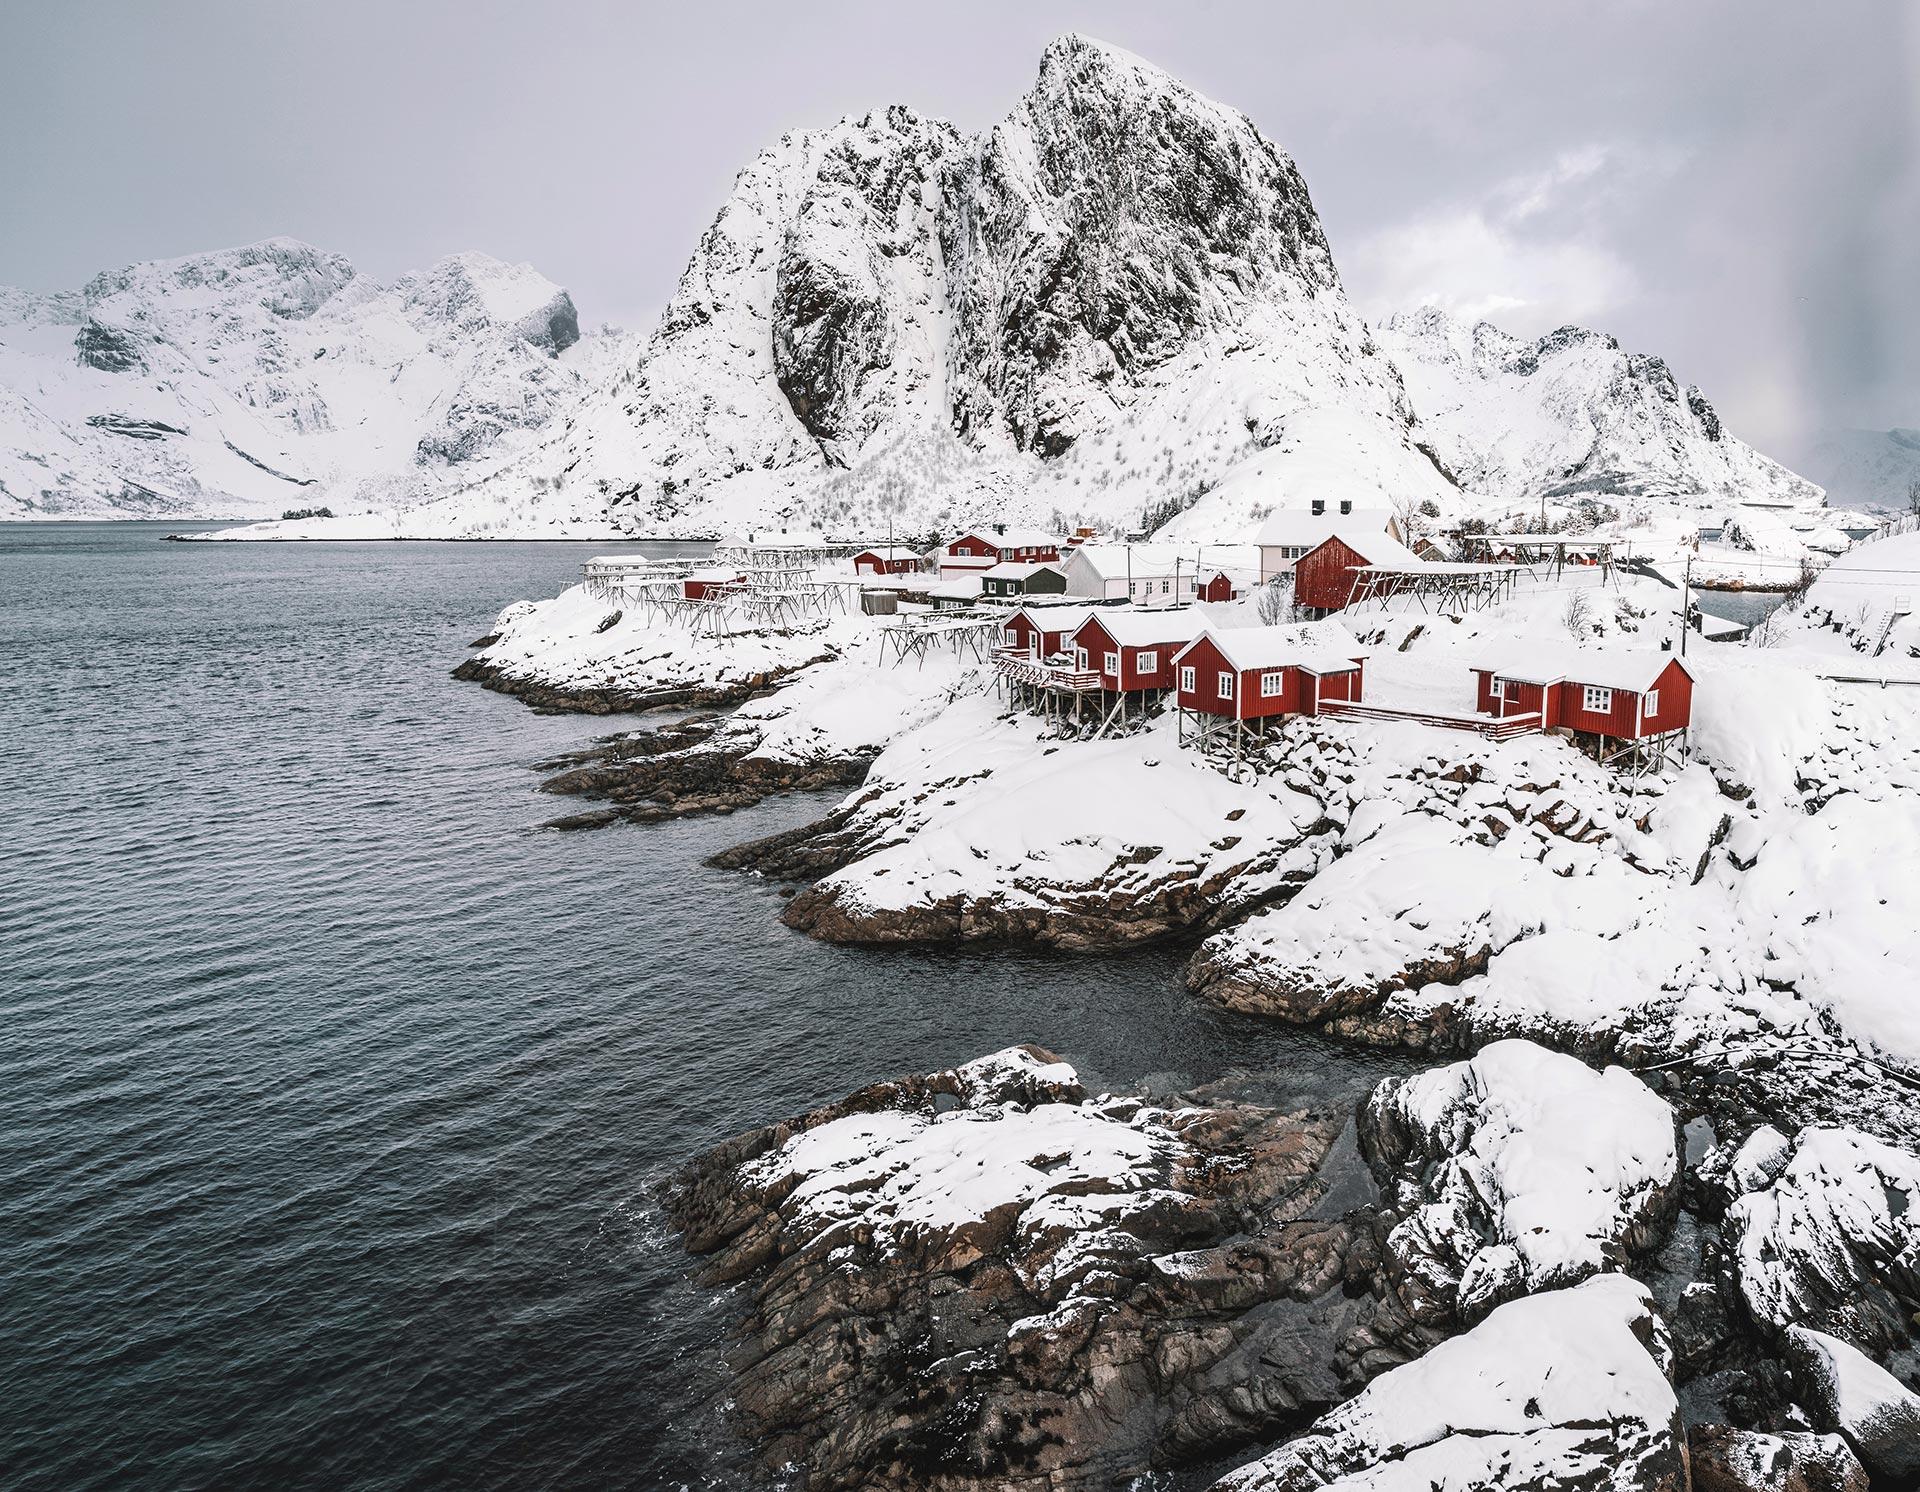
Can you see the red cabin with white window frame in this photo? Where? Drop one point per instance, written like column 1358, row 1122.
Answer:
column 982, row 548
column 1133, row 650
column 886, row 560
column 1255, row 673
column 1629, row 695
column 1042, row 632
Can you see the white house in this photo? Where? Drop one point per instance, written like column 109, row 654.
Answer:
column 1291, row 532
column 1157, row 574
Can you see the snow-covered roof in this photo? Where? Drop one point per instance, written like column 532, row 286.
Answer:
column 962, row 587
column 714, row 572
column 1154, row 561
column 1014, row 537
column 1317, row 647
column 1539, row 662
column 1060, row 618
column 1148, row 628
column 1018, row 570
column 1379, row 549
column 889, row 552
column 1291, row 527
column 625, row 561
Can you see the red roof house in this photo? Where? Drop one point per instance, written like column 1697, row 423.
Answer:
column 1628, row 694
column 1043, row 631
column 1253, row 673
column 981, row 548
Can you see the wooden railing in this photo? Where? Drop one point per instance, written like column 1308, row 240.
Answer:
column 1493, row 727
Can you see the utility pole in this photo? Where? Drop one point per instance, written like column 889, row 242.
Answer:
column 1686, row 604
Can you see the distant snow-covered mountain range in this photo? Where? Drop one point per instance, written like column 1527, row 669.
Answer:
column 1116, row 306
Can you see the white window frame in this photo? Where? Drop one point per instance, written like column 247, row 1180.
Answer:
column 1186, row 678
column 1113, row 664
column 1650, row 703
column 1596, row 700
column 1273, row 683
column 1148, row 662
column 1225, row 686
column 1080, row 659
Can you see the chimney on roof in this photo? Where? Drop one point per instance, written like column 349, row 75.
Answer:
column 1346, row 505
column 1319, row 507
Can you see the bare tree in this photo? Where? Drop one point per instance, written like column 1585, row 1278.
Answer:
column 1578, row 616
column 1913, row 494
column 1275, row 601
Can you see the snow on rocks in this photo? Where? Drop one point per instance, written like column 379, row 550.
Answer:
column 986, row 1277
column 1847, row 1391
column 1567, row 1388
column 578, row 651
column 1517, row 1171
column 976, row 825
column 1827, row 1235
column 1723, row 1459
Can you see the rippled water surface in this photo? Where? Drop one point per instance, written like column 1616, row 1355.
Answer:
column 331, row 1091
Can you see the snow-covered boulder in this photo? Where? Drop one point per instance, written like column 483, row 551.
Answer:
column 988, row 1278
column 1723, row 1459
column 1827, row 1234
column 1847, row 1391
column 1519, row 1170
column 1558, row 1390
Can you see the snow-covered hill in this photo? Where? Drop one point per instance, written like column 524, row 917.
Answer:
column 268, row 377
column 1571, row 416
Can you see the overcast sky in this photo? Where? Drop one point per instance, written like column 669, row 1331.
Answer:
column 1733, row 186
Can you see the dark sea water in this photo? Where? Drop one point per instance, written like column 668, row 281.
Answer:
column 331, row 1091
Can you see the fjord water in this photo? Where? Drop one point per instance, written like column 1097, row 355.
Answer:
column 332, row 1090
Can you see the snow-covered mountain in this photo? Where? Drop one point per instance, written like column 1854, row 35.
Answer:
column 258, row 379
column 1870, row 469
column 1115, row 306
column 1106, row 306
column 1571, row 415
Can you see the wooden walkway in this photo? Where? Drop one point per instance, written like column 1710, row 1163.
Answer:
column 1493, row 728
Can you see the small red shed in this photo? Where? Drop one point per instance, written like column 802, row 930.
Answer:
column 697, row 585
column 886, row 560
column 1133, row 650
column 1627, row 694
column 1324, row 577
column 1043, row 631
column 1216, row 587
column 1254, row 673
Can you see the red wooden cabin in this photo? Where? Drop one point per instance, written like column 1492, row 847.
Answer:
column 1324, row 577
column 699, row 583
column 887, row 560
column 1254, row 673
column 1629, row 695
column 982, row 548
column 1217, row 587
column 1133, row 650
column 1043, row 631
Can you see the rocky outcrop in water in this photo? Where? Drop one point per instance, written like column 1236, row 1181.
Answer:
column 687, row 768
column 613, row 699
column 987, row 1277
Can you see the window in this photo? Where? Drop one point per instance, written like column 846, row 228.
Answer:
column 1652, row 705
column 1511, row 688
column 1273, row 683
column 1080, row 659
column 1149, row 662
column 1166, row 587
column 1226, row 686
column 1133, row 587
column 1113, row 664
column 1186, row 679
column 1596, row 700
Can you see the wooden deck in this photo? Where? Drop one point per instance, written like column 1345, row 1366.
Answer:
column 1493, row 728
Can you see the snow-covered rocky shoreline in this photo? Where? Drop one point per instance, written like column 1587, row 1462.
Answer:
column 1725, row 938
